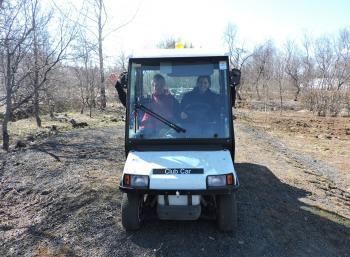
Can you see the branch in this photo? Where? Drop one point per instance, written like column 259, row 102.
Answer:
column 53, row 64
column 244, row 60
column 25, row 100
column 76, row 22
column 124, row 24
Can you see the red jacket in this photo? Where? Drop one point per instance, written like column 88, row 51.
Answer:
column 166, row 106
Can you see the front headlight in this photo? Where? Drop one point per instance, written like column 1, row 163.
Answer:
column 135, row 180
column 139, row 181
column 217, row 181
column 220, row 180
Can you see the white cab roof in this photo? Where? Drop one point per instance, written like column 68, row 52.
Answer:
column 186, row 52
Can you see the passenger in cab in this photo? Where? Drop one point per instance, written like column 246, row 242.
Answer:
column 200, row 104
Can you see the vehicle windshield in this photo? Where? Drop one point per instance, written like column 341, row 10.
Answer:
column 178, row 100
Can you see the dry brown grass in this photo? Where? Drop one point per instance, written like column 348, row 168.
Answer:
column 20, row 129
column 323, row 138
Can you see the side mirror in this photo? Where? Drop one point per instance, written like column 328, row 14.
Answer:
column 235, row 77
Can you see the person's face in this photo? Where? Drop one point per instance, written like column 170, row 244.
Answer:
column 203, row 85
column 158, row 87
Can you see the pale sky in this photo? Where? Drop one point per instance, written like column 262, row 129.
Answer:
column 202, row 22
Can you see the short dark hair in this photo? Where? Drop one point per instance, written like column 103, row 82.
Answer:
column 159, row 78
column 204, row 77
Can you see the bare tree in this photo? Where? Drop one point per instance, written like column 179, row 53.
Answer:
column 294, row 66
column 342, row 63
column 28, row 56
column 238, row 54
column 325, row 58
column 88, row 86
column 15, row 38
column 308, row 63
column 168, row 43
column 60, row 92
column 261, row 67
column 101, row 23
column 332, row 56
column 230, row 38
column 122, row 62
column 279, row 75
column 171, row 42
column 96, row 13
column 87, row 74
column 267, row 57
column 36, row 62
column 86, row 71
column 47, row 52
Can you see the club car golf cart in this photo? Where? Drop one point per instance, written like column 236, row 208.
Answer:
column 186, row 167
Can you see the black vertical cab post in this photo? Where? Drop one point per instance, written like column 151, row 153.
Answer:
column 128, row 86
column 178, row 144
column 235, row 79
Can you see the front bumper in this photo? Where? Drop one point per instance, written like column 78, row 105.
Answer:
column 208, row 191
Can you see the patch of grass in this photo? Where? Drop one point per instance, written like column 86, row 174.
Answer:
column 43, row 252
column 117, row 220
column 327, row 215
column 23, row 128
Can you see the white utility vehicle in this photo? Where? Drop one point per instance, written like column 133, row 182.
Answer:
column 183, row 167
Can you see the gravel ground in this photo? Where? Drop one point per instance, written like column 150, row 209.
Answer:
column 60, row 198
column 315, row 166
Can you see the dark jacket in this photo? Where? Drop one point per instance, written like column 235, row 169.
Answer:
column 121, row 93
column 208, row 99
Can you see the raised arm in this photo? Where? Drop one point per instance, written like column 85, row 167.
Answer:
column 119, row 86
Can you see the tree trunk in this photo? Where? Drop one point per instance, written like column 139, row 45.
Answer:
column 5, row 135
column 36, row 107
column 52, row 111
column 281, row 97
column 100, row 53
column 36, row 76
column 297, row 93
column 265, row 91
column 82, row 100
column 257, row 91
column 8, row 110
column 83, row 104
column 257, row 84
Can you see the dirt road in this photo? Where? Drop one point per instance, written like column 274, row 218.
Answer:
column 60, row 198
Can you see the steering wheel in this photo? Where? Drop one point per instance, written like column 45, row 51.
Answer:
column 198, row 111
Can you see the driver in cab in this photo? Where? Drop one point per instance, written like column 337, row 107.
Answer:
column 162, row 103
column 200, row 104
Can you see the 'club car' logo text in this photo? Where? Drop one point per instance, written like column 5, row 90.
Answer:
column 177, row 171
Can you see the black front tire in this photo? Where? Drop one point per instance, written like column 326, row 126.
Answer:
column 226, row 212
column 132, row 211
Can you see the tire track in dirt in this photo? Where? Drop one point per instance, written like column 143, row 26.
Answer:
column 316, row 166
column 326, row 176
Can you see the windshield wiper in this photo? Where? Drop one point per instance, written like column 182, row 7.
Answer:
column 172, row 125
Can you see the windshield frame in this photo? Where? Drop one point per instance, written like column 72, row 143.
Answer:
column 221, row 143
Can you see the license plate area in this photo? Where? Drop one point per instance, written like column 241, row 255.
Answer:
column 178, row 171
column 178, row 200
